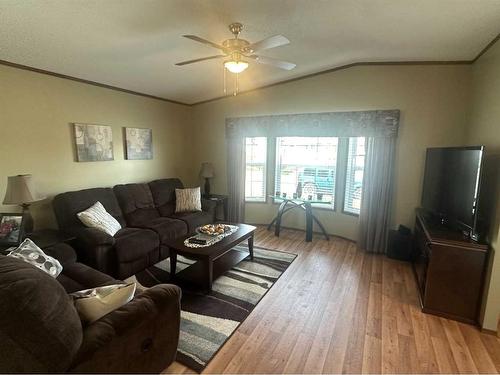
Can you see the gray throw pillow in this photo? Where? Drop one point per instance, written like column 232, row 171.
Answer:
column 29, row 252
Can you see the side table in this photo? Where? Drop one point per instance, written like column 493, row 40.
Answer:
column 46, row 238
column 221, row 205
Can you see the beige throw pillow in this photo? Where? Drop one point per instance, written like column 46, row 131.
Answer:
column 97, row 217
column 187, row 200
column 93, row 304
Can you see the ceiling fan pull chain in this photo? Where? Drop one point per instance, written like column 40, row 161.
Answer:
column 237, row 84
column 224, row 74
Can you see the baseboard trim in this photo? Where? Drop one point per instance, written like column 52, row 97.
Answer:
column 302, row 230
column 489, row 331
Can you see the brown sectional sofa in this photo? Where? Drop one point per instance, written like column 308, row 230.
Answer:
column 40, row 331
column 147, row 215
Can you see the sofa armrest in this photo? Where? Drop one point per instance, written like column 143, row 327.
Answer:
column 95, row 248
column 93, row 236
column 141, row 336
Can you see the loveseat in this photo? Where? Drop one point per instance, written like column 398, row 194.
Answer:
column 40, row 330
column 147, row 215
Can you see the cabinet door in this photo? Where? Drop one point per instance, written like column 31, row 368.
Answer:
column 454, row 280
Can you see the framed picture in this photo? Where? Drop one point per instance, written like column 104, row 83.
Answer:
column 93, row 142
column 11, row 228
column 139, row 144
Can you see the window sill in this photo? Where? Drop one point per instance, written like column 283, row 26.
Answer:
column 259, row 202
column 350, row 213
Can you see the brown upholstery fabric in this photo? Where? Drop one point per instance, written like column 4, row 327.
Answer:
column 163, row 192
column 40, row 330
column 139, row 337
column 133, row 243
column 167, row 228
column 136, row 202
column 67, row 205
column 76, row 276
column 194, row 219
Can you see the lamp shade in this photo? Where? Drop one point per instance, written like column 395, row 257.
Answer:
column 20, row 190
column 207, row 170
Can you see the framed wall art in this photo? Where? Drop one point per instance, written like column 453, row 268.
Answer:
column 138, row 144
column 93, row 142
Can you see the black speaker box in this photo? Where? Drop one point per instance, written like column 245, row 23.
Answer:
column 400, row 244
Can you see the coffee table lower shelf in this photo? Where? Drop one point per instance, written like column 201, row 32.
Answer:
column 196, row 275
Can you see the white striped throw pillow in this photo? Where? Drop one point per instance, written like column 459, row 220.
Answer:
column 97, row 217
column 187, row 200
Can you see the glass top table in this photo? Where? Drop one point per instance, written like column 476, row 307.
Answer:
column 312, row 201
column 289, row 203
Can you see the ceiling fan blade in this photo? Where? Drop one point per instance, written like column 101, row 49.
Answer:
column 204, row 41
column 277, row 63
column 271, row 42
column 202, row 59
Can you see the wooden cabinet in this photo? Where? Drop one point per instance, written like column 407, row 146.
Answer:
column 449, row 269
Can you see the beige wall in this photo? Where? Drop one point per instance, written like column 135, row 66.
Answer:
column 485, row 129
column 35, row 115
column 433, row 100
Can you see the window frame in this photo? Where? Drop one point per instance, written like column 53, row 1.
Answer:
column 265, row 177
column 321, row 206
column 271, row 168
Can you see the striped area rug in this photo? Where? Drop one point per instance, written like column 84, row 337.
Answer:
column 208, row 320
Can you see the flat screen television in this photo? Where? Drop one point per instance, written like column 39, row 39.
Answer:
column 452, row 181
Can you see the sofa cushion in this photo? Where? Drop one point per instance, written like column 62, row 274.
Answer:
column 40, row 330
column 194, row 219
column 134, row 243
column 163, row 192
column 136, row 202
column 67, row 205
column 167, row 228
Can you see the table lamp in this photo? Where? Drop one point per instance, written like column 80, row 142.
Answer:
column 21, row 190
column 207, row 172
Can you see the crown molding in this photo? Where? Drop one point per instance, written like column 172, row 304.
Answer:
column 342, row 67
column 81, row 80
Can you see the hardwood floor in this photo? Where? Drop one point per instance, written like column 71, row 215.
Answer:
column 338, row 309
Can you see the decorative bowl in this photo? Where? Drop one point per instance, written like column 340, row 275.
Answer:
column 214, row 229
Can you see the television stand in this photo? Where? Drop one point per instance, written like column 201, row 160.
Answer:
column 449, row 269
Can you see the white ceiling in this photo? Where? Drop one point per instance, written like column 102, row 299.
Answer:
column 133, row 44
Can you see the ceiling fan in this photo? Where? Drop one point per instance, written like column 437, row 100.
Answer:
column 236, row 50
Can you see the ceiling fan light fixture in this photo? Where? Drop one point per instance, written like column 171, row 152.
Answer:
column 236, row 66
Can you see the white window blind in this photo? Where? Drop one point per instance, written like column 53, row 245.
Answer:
column 308, row 161
column 354, row 175
column 255, row 170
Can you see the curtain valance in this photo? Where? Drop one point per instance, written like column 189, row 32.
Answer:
column 383, row 123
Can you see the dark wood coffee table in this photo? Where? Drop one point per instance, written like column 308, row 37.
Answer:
column 212, row 260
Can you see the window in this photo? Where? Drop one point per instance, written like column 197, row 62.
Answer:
column 309, row 163
column 354, row 175
column 255, row 170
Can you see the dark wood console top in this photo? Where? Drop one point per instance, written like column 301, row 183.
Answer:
column 441, row 234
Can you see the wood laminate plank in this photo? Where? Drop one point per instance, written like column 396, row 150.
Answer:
column 338, row 309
